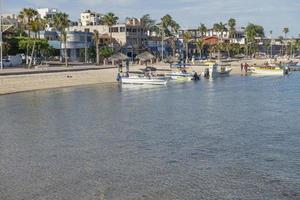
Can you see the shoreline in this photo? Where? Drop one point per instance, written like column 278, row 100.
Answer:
column 17, row 80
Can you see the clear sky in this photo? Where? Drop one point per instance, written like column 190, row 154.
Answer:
column 272, row 14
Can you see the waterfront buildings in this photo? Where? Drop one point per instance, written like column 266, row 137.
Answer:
column 128, row 37
column 89, row 18
column 77, row 44
column 238, row 37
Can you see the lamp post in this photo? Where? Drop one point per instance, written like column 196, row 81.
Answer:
column 162, row 42
column 271, row 32
column 1, row 43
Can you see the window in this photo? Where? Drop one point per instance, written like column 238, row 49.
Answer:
column 122, row 29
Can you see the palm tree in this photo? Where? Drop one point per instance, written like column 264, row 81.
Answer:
column 252, row 31
column 200, row 45
column 34, row 26
column 109, row 20
column 187, row 37
column 174, row 27
column 96, row 39
column 149, row 24
column 202, row 29
column 220, row 28
column 285, row 31
column 26, row 16
column 232, row 29
column 64, row 37
column 166, row 22
column 169, row 27
column 61, row 22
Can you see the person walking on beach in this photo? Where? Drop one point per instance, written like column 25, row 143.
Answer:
column 246, row 68
column 242, row 67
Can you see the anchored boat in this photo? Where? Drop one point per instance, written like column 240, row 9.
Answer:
column 269, row 71
column 142, row 80
column 182, row 76
column 217, row 71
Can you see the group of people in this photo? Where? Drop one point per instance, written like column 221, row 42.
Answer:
column 244, row 67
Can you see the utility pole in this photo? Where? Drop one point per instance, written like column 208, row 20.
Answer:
column 85, row 46
column 271, row 32
column 1, row 41
column 162, row 43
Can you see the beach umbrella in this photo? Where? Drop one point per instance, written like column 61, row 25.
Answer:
column 145, row 57
column 171, row 59
column 118, row 57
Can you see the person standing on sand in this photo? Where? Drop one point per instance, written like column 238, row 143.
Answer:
column 242, row 67
column 246, row 67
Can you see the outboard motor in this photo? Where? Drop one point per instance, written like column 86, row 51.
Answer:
column 206, row 73
column 286, row 71
column 196, row 77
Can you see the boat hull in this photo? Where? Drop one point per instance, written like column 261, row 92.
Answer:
column 180, row 76
column 218, row 73
column 144, row 81
column 267, row 72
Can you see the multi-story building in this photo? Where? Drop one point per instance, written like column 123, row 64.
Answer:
column 127, row 36
column 77, row 42
column 89, row 18
column 238, row 37
column 9, row 20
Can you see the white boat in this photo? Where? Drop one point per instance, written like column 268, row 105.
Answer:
column 217, row 71
column 144, row 80
column 180, row 76
column 269, row 71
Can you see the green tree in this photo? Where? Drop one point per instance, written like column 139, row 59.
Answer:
column 169, row 25
column 106, row 52
column 110, row 19
column 96, row 38
column 26, row 16
column 149, row 24
column 187, row 38
column 232, row 29
column 202, row 29
column 169, row 28
column 200, row 45
column 61, row 22
column 286, row 31
column 252, row 31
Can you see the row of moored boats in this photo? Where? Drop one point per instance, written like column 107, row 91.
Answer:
column 214, row 71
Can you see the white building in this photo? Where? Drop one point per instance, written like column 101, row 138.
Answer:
column 9, row 19
column 47, row 12
column 88, row 18
column 127, row 35
column 238, row 37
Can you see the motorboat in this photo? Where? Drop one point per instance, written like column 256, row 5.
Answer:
column 180, row 76
column 269, row 71
column 142, row 80
column 215, row 71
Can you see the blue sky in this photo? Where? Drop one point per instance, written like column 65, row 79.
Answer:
column 272, row 14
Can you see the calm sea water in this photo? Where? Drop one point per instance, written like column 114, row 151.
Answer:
column 231, row 138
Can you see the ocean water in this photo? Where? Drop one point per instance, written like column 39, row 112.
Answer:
column 234, row 138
